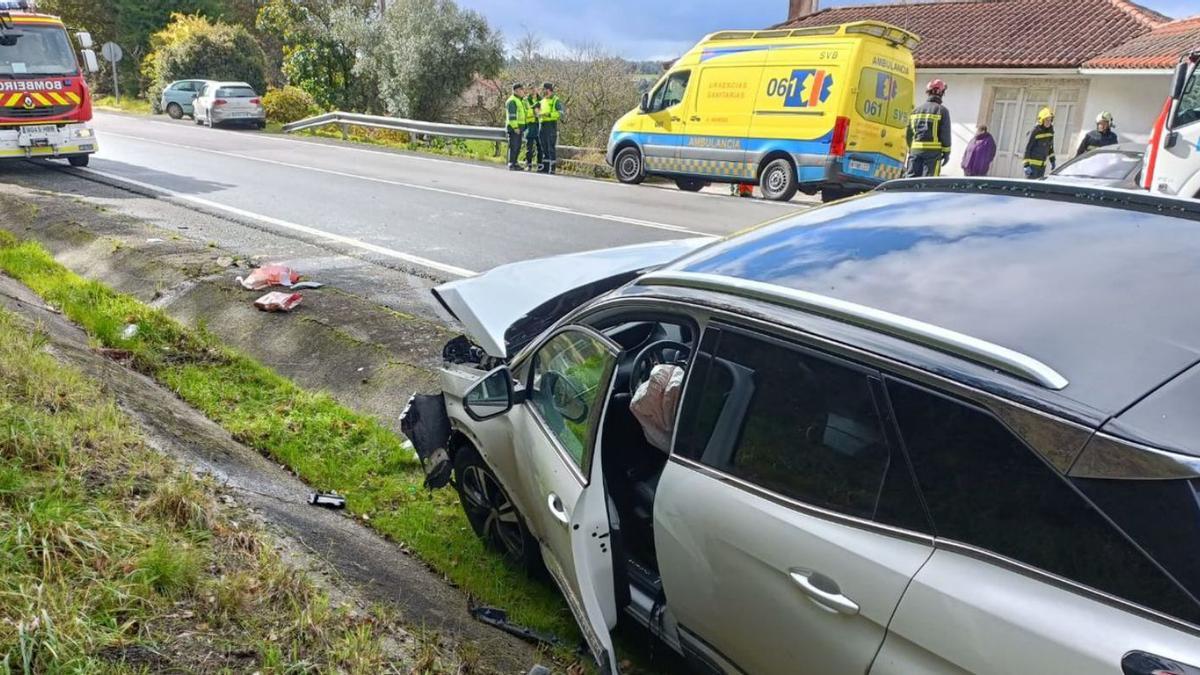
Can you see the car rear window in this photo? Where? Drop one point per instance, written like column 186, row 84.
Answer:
column 236, row 92
column 984, row 487
column 1105, row 165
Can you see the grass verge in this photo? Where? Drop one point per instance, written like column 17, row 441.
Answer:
column 127, row 104
column 113, row 560
column 329, row 446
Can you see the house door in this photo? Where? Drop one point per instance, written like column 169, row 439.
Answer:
column 1014, row 112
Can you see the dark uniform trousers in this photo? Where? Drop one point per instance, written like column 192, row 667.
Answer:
column 514, row 145
column 922, row 164
column 533, row 145
column 549, row 136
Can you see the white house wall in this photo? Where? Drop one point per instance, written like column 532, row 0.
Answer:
column 1133, row 99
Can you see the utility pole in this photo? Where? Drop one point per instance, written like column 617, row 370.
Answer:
column 382, row 7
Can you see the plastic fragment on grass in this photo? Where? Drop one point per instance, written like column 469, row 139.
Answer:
column 270, row 275
column 276, row 301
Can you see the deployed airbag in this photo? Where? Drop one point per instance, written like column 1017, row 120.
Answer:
column 655, row 402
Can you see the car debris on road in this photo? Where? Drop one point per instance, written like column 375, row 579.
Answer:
column 269, row 275
column 276, row 301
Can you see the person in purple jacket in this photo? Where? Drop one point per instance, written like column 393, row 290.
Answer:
column 979, row 154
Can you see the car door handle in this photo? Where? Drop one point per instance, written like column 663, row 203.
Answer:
column 555, row 504
column 889, row 144
column 830, row 601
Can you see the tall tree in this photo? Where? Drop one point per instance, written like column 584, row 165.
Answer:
column 423, row 53
column 314, row 59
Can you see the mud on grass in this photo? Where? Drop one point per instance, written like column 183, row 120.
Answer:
column 326, row 444
column 114, row 560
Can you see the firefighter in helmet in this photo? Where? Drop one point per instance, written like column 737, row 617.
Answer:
column 929, row 134
column 1039, row 149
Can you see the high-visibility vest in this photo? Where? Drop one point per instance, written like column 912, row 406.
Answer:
column 548, row 111
column 515, row 111
column 527, row 116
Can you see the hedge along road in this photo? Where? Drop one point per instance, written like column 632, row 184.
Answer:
column 452, row 217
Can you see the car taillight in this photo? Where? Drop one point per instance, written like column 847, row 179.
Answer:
column 219, row 101
column 841, row 130
column 256, row 101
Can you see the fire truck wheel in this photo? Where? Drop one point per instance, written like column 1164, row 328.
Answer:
column 79, row 160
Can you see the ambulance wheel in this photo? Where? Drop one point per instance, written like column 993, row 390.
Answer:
column 175, row 111
column 628, row 166
column 690, row 184
column 778, row 181
column 79, row 160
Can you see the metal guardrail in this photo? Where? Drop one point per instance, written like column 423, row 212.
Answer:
column 345, row 119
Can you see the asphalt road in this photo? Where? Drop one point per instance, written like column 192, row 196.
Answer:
column 452, row 218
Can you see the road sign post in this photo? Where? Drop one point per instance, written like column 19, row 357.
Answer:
column 112, row 53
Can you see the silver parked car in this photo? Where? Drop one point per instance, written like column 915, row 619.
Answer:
column 229, row 102
column 1116, row 166
column 856, row 440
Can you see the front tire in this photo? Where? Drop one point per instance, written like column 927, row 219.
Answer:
column 491, row 512
column 690, row 184
column 175, row 111
column 79, row 160
column 778, row 181
column 628, row 166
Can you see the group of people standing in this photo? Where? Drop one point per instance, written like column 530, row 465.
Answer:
column 929, row 140
column 533, row 124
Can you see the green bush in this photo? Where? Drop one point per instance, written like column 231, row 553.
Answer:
column 193, row 47
column 288, row 105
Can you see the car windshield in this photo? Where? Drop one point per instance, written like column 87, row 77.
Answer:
column 1105, row 165
column 236, row 92
column 36, row 50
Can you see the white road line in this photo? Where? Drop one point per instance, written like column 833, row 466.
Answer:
column 416, row 186
column 312, row 231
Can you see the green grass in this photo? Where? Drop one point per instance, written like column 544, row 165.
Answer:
column 326, row 444
column 128, row 104
column 114, row 561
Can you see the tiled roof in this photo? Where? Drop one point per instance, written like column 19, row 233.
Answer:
column 1005, row 33
column 1158, row 49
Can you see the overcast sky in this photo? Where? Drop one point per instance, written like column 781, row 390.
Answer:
column 661, row 29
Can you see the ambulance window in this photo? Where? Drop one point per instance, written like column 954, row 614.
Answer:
column 670, row 93
column 884, row 98
column 1188, row 110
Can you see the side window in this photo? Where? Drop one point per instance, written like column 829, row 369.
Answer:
column 787, row 420
column 670, row 93
column 986, row 488
column 568, row 382
column 1188, row 110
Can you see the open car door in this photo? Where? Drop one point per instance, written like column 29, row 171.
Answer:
column 554, row 433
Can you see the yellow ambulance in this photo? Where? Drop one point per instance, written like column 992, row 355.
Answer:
column 821, row 109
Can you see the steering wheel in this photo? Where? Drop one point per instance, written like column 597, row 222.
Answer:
column 662, row 352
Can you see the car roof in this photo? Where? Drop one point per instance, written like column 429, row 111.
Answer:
column 230, row 84
column 1089, row 283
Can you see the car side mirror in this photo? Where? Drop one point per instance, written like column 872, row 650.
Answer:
column 1171, row 139
column 1180, row 81
column 491, row 396
column 90, row 62
column 85, row 39
column 644, row 106
column 566, row 396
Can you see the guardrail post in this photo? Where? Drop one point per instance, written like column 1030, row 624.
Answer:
column 345, row 131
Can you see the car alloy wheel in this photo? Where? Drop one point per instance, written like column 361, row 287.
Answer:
column 491, row 512
column 174, row 111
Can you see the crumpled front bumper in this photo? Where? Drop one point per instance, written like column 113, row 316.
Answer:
column 427, row 425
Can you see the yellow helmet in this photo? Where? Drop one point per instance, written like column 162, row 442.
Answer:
column 1045, row 114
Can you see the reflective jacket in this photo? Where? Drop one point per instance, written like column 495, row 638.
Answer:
column 1096, row 139
column 1040, row 148
column 550, row 109
column 533, row 104
column 929, row 127
column 514, row 108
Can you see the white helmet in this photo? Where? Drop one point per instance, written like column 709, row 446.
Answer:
column 1105, row 117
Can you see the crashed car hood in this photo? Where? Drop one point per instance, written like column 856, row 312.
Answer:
column 503, row 309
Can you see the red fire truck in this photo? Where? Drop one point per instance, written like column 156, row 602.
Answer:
column 45, row 105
